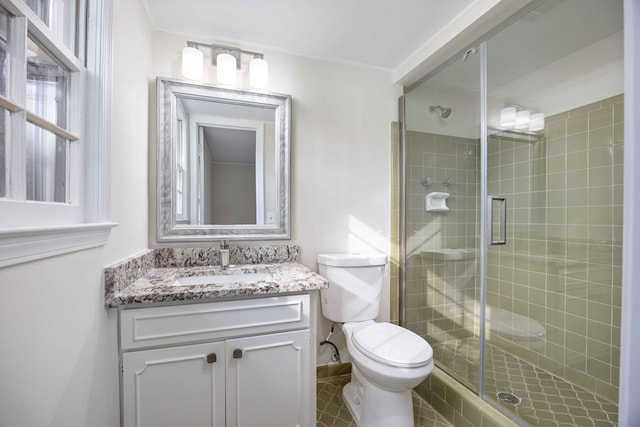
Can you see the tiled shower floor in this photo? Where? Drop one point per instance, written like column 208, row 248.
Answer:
column 332, row 412
column 546, row 400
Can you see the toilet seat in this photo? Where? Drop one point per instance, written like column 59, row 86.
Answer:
column 392, row 345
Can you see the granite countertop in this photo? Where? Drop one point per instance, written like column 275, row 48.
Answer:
column 148, row 278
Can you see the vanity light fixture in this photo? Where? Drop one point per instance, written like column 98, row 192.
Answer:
column 227, row 60
column 511, row 118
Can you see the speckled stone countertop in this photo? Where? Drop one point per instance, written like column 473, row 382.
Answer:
column 147, row 278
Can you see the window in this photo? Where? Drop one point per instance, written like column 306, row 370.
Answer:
column 52, row 88
column 4, row 113
column 47, row 144
column 182, row 215
column 59, row 15
column 41, row 99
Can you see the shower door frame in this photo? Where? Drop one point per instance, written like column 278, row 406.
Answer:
column 484, row 225
column 629, row 389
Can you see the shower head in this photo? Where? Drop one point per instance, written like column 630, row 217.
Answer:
column 444, row 112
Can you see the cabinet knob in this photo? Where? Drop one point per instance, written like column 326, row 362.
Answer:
column 212, row 358
column 237, row 353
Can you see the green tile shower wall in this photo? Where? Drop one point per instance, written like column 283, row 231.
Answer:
column 440, row 297
column 562, row 264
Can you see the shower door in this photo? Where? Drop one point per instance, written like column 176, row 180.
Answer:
column 442, row 165
column 514, row 277
column 554, row 153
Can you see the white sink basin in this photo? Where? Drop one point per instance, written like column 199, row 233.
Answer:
column 222, row 279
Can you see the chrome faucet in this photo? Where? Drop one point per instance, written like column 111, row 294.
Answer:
column 224, row 254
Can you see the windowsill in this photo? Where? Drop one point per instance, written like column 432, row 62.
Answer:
column 24, row 244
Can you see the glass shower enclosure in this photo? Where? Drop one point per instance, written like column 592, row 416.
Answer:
column 512, row 233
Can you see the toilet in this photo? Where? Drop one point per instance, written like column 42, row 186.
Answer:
column 511, row 329
column 387, row 360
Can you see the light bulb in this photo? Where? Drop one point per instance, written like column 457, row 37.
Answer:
column 226, row 65
column 536, row 122
column 258, row 73
column 522, row 119
column 508, row 117
column 192, row 62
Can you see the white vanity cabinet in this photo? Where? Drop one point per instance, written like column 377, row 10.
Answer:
column 174, row 386
column 268, row 385
column 233, row 363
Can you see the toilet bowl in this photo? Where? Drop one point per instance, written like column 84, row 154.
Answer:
column 514, row 329
column 387, row 360
column 392, row 357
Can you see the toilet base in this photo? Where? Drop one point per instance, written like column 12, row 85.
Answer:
column 371, row 406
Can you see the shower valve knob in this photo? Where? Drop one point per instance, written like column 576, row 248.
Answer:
column 425, row 181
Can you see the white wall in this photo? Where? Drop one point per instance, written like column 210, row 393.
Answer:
column 58, row 354
column 57, row 365
column 341, row 117
column 130, row 131
column 227, row 204
column 340, row 160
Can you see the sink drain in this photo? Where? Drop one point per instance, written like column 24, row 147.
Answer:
column 508, row 398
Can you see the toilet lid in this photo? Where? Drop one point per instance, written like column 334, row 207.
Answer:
column 392, row 345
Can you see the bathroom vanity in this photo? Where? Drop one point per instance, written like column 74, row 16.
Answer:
column 202, row 346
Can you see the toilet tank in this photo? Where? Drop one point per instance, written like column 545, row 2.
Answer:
column 355, row 286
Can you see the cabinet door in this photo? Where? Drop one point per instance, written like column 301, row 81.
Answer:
column 178, row 386
column 268, row 380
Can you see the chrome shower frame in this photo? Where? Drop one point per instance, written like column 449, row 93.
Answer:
column 403, row 207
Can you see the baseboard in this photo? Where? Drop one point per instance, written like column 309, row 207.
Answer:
column 333, row 370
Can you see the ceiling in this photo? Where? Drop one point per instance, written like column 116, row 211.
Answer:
column 230, row 145
column 551, row 32
column 376, row 33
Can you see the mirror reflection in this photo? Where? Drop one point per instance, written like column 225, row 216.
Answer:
column 223, row 163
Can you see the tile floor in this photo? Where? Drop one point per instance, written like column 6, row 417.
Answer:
column 332, row 412
column 545, row 399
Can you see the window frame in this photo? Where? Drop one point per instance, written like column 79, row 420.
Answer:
column 32, row 230
column 182, row 161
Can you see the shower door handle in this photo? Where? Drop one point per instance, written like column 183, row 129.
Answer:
column 502, row 240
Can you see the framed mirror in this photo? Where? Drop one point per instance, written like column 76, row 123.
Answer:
column 222, row 163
